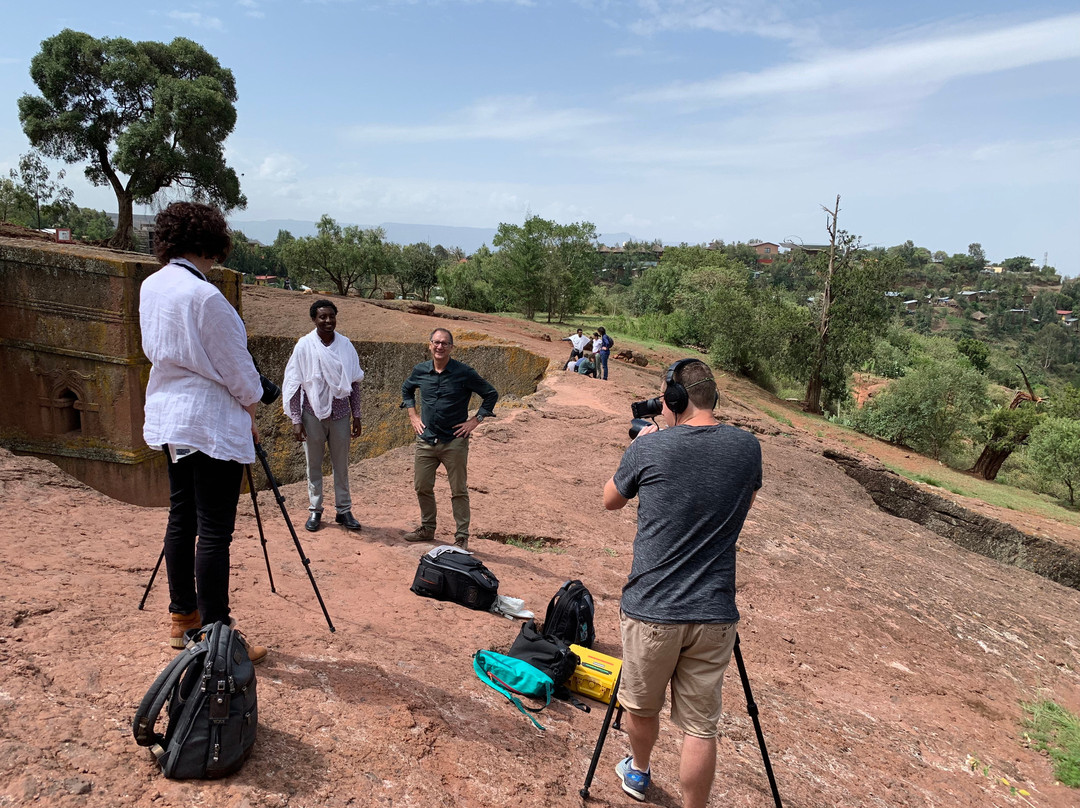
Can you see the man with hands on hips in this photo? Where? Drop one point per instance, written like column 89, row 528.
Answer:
column 442, row 430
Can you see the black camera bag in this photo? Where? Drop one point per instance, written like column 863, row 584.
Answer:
column 456, row 577
column 546, row 653
column 570, row 615
column 212, row 708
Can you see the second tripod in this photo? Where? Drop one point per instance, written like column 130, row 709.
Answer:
column 751, row 709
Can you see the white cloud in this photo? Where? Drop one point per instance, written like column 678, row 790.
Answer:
column 278, row 168
column 252, row 9
column 771, row 20
column 925, row 64
column 198, row 20
column 513, row 119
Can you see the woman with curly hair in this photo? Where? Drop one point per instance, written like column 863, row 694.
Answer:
column 200, row 410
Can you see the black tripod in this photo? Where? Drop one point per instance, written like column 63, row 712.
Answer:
column 261, row 454
column 751, row 708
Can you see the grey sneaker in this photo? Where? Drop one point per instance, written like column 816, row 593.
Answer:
column 421, row 534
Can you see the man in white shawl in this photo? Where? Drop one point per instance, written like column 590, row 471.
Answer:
column 320, row 392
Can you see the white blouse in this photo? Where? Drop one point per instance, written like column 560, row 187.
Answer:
column 202, row 375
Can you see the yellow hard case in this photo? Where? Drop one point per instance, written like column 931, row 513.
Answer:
column 595, row 674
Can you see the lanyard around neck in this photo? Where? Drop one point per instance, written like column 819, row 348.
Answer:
column 190, row 267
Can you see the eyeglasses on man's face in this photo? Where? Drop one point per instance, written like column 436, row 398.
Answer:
column 440, row 343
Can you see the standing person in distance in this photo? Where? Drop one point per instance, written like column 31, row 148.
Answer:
column 602, row 347
column 200, row 410
column 320, row 391
column 577, row 341
column 442, row 431
column 695, row 482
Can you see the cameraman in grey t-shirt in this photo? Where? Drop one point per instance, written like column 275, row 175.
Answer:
column 695, row 482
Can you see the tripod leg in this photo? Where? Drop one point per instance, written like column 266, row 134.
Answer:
column 288, row 522
column 584, row 792
column 752, row 709
column 153, row 575
column 258, row 521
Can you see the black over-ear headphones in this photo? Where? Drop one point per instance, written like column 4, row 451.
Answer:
column 675, row 395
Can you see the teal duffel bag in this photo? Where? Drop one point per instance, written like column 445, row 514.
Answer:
column 513, row 678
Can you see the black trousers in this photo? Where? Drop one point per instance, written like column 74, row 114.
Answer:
column 203, row 495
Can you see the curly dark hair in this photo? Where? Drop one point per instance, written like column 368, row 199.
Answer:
column 191, row 227
column 321, row 304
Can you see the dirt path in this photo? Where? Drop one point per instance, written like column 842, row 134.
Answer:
column 889, row 665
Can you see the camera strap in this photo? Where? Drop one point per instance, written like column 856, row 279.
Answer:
column 190, row 267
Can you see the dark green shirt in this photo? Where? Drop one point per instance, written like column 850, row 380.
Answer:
column 444, row 397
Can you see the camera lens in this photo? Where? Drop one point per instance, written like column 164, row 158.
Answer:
column 270, row 390
column 647, row 409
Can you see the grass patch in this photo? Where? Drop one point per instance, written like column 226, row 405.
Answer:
column 534, row 545
column 1055, row 730
column 925, row 478
column 993, row 493
column 783, row 419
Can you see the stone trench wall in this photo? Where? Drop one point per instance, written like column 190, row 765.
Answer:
column 514, row 372
column 966, row 528
column 72, row 364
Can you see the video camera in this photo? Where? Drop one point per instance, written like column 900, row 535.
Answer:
column 649, row 408
column 640, row 410
column 270, row 390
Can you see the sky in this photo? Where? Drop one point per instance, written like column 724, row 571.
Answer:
column 945, row 122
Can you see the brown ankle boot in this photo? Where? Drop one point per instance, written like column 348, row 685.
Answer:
column 256, row 653
column 180, row 624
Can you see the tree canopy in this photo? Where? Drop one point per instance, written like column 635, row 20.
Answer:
column 144, row 115
column 547, row 266
column 35, row 184
column 417, row 268
column 1054, row 451
column 348, row 257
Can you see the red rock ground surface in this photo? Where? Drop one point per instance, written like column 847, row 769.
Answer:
column 889, row 665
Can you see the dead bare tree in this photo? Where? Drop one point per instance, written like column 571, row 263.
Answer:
column 813, row 387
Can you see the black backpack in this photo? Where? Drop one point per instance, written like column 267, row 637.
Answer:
column 457, row 577
column 570, row 615
column 213, row 709
column 547, row 653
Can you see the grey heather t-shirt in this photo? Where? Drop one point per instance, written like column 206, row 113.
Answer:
column 694, row 485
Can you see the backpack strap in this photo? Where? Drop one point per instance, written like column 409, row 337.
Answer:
column 218, row 672
column 146, row 715
column 490, row 681
column 553, row 603
column 561, row 595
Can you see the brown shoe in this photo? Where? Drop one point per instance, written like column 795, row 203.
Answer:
column 182, row 623
column 421, row 534
column 463, row 543
column 257, row 653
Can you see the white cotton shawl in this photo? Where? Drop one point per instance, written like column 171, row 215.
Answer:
column 324, row 372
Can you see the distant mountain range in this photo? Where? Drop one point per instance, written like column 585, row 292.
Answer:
column 468, row 239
